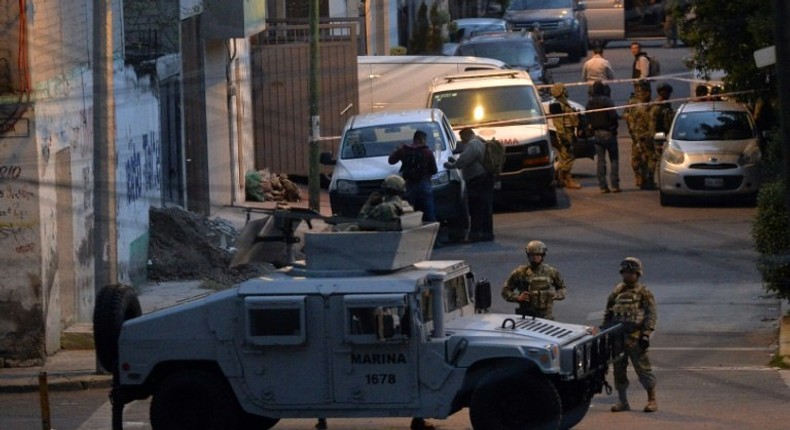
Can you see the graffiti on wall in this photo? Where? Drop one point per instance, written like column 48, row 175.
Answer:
column 143, row 169
column 16, row 220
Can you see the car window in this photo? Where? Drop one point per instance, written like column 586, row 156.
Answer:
column 539, row 4
column 378, row 141
column 490, row 105
column 713, row 125
column 511, row 52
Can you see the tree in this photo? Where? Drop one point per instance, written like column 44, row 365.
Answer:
column 725, row 36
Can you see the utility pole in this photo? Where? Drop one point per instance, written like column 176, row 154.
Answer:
column 105, row 241
column 314, row 179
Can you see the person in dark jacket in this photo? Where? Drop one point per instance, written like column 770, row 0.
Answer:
column 418, row 165
column 602, row 118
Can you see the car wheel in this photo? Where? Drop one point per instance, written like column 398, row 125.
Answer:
column 667, row 200
column 515, row 398
column 257, row 422
column 115, row 304
column 195, row 399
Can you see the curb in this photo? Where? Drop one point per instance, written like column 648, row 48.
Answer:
column 56, row 382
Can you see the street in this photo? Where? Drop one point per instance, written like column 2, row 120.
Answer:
column 716, row 324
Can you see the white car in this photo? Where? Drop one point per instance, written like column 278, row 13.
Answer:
column 712, row 150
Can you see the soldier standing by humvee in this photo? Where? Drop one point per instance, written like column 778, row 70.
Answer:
column 531, row 285
column 633, row 305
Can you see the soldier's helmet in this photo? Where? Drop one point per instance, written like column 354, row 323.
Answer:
column 558, row 90
column 536, row 247
column 631, row 264
column 664, row 87
column 394, row 183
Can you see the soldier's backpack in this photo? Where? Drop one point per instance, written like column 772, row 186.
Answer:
column 494, row 156
column 655, row 66
column 412, row 164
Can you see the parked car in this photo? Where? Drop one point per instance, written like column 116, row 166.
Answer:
column 504, row 105
column 361, row 164
column 562, row 22
column 712, row 150
column 516, row 49
column 463, row 28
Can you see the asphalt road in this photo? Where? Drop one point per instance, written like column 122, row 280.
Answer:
column 716, row 330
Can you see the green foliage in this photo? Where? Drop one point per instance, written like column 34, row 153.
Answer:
column 771, row 238
column 438, row 20
column 725, row 36
column 398, row 50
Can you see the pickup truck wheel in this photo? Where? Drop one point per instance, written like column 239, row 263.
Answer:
column 515, row 398
column 195, row 399
column 115, row 304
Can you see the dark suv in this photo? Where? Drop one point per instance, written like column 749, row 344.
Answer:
column 562, row 22
column 516, row 49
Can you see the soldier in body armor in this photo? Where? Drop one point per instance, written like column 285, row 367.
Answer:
column 633, row 305
column 535, row 286
column 566, row 126
column 643, row 152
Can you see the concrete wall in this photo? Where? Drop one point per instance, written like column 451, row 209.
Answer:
column 46, row 176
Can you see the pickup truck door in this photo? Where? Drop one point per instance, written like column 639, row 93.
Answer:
column 370, row 365
column 605, row 19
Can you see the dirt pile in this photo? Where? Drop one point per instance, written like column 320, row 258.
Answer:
column 185, row 246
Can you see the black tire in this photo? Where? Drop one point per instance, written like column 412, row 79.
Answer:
column 667, row 200
column 195, row 400
column 575, row 405
column 257, row 422
column 549, row 197
column 115, row 304
column 515, row 398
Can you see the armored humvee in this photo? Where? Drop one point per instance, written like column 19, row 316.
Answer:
column 366, row 326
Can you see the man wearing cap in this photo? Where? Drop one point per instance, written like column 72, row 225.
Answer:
column 633, row 305
column 535, row 286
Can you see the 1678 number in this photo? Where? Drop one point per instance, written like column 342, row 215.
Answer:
column 380, row 378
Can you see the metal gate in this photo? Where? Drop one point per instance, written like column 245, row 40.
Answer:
column 281, row 98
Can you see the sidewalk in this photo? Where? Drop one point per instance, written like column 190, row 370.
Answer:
column 76, row 369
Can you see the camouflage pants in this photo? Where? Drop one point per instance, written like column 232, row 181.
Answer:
column 565, row 156
column 643, row 160
column 640, row 361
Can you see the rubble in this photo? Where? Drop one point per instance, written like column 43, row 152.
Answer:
column 187, row 246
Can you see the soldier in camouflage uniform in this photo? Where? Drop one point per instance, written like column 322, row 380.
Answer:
column 566, row 126
column 633, row 305
column 381, row 212
column 643, row 159
column 661, row 115
column 531, row 285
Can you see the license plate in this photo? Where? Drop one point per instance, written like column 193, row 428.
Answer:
column 497, row 185
column 714, row 182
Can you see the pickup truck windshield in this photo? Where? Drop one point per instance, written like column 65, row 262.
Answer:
column 539, row 4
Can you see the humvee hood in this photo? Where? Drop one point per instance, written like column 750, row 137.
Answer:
column 514, row 325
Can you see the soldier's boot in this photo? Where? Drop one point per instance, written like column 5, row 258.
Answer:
column 651, row 405
column 622, row 403
column 570, row 183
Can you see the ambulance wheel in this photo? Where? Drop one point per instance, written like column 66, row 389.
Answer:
column 115, row 304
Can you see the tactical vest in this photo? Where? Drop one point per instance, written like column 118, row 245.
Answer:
column 627, row 308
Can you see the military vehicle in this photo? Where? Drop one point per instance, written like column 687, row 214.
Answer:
column 365, row 326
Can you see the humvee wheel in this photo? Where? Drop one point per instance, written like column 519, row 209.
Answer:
column 195, row 399
column 114, row 304
column 515, row 398
column 574, row 408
